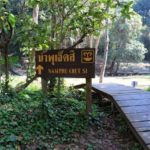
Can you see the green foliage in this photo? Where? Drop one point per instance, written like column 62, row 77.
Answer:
column 146, row 41
column 124, row 130
column 60, row 23
column 29, row 118
column 136, row 146
column 11, row 60
column 148, row 89
column 6, row 17
column 125, row 42
column 121, row 125
column 90, row 147
column 71, row 92
column 142, row 7
column 66, row 116
column 7, row 23
column 11, row 19
column 135, row 51
column 63, row 20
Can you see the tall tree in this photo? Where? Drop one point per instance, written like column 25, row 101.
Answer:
column 63, row 23
column 106, row 48
column 125, row 44
column 146, row 41
column 7, row 23
column 142, row 7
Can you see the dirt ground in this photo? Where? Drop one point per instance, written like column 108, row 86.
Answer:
column 110, row 134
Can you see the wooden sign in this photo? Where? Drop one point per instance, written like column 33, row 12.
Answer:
column 77, row 63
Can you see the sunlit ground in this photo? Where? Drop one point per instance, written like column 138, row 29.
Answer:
column 142, row 81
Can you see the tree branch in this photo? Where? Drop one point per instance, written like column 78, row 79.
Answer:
column 78, row 42
column 6, row 37
column 23, row 86
column 72, row 8
column 11, row 30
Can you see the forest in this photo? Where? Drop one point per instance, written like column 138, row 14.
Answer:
column 45, row 113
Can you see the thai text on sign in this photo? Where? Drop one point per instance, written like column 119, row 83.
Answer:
column 66, row 63
column 59, row 57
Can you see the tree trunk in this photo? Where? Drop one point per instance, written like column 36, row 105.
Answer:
column 117, row 67
column 111, row 68
column 35, row 19
column 97, row 44
column 44, row 86
column 6, row 67
column 35, row 13
column 51, row 82
column 91, row 41
column 106, row 48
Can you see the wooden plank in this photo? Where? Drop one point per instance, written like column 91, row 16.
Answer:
column 104, row 94
column 119, row 89
column 135, row 96
column 128, row 98
column 143, row 129
column 122, row 92
column 135, row 105
column 114, row 88
column 129, row 93
column 79, row 86
column 145, row 136
column 141, row 124
column 136, row 109
column 138, row 117
column 128, row 103
column 119, row 95
column 106, row 85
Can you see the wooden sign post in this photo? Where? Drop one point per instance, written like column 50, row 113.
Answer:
column 76, row 63
column 88, row 95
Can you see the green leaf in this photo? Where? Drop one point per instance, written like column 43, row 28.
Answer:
column 12, row 20
column 5, row 1
column 12, row 138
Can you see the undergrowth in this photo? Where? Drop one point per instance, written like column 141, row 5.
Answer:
column 29, row 120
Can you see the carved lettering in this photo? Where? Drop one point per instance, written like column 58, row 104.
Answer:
column 45, row 58
column 51, row 59
column 59, row 56
column 40, row 58
column 72, row 56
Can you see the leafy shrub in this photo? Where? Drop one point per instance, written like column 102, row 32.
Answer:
column 29, row 118
column 65, row 116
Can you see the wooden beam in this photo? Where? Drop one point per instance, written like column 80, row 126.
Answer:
column 88, row 95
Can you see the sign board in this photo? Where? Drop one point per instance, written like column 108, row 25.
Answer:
column 77, row 63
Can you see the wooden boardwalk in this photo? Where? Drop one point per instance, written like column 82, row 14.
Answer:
column 134, row 104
